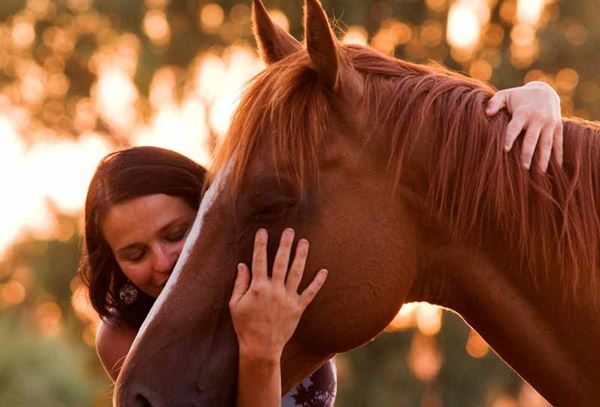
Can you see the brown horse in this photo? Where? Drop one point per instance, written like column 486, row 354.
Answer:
column 398, row 178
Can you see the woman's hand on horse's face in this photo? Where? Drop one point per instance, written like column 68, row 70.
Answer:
column 266, row 310
column 535, row 109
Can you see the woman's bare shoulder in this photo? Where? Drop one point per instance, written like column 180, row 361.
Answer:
column 113, row 340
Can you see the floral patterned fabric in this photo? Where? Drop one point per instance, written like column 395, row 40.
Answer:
column 317, row 390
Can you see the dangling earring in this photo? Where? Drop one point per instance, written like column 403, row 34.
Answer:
column 128, row 293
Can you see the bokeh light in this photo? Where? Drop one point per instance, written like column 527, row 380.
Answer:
column 12, row 293
column 211, row 17
column 156, row 27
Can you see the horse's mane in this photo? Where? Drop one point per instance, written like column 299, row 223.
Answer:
column 552, row 220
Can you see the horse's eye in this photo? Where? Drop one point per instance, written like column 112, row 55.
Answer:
column 272, row 212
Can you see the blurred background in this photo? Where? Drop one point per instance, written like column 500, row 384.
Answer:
column 80, row 78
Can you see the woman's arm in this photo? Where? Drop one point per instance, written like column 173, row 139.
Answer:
column 113, row 341
column 265, row 313
column 535, row 109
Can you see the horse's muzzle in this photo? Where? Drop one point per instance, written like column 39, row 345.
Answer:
column 138, row 397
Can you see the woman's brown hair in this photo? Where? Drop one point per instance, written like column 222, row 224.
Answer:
column 121, row 176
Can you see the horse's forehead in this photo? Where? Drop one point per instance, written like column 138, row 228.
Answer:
column 258, row 163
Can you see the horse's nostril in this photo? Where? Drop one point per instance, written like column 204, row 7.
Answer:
column 142, row 401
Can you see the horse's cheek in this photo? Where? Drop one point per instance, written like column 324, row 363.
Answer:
column 371, row 258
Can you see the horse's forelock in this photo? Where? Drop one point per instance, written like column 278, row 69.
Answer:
column 287, row 108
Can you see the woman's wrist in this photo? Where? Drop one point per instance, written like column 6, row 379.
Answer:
column 259, row 379
column 260, row 356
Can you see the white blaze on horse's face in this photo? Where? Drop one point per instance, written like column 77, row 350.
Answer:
column 207, row 202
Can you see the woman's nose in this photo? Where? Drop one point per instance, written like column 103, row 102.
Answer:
column 164, row 259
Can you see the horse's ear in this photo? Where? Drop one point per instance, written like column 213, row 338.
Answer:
column 321, row 43
column 274, row 43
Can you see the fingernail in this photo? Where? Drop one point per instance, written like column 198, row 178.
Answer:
column 240, row 267
column 262, row 232
column 288, row 232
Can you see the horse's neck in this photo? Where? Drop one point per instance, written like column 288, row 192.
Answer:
column 530, row 318
column 543, row 342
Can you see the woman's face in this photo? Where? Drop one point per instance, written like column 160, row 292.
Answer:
column 146, row 235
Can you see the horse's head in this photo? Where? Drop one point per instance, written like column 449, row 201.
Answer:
column 296, row 156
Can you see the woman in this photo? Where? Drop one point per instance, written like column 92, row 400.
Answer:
column 140, row 206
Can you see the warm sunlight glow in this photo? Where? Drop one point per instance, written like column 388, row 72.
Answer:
column 436, row 5
column 63, row 168
column 463, row 26
column 481, row 69
column 529, row 11
column 81, row 303
column 504, row 400
column 211, row 17
column 476, row 347
column 80, row 79
column 425, row 317
column 356, row 35
column 567, row 79
column 23, row 33
column 219, row 83
column 179, row 128
column 156, row 27
column 429, row 319
column 116, row 96
column 48, row 317
column 405, row 318
column 84, row 311
column 392, row 34
column 53, row 170
column 14, row 210
column 12, row 293
column 424, row 359
column 529, row 397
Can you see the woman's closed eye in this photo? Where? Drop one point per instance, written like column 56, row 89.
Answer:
column 134, row 255
column 177, row 234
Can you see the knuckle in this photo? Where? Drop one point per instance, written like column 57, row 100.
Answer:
column 257, row 288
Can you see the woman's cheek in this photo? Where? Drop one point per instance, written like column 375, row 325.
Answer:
column 137, row 274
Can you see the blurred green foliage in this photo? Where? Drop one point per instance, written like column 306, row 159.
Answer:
column 35, row 371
